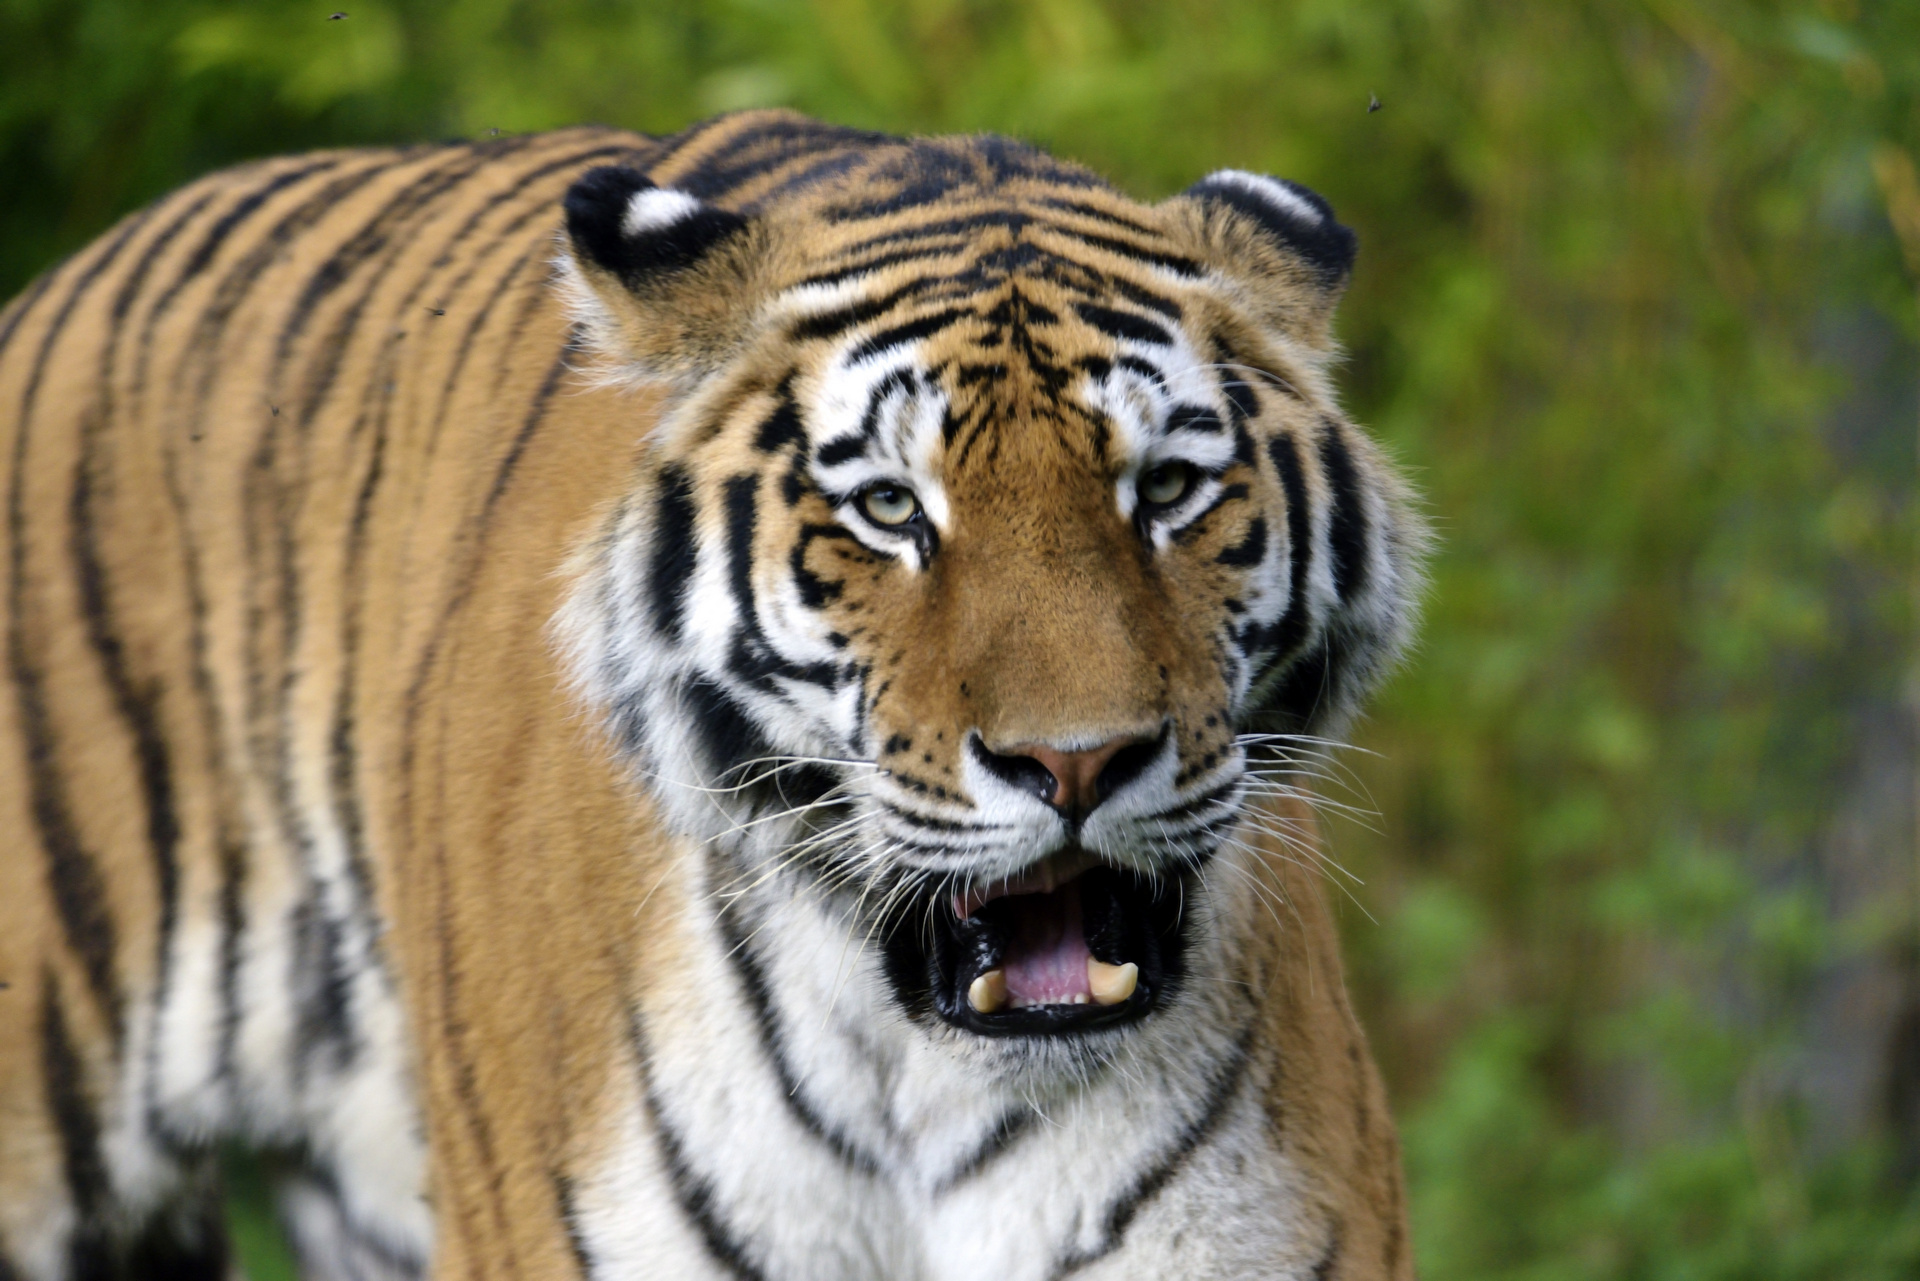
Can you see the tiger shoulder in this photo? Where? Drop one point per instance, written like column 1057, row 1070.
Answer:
column 737, row 705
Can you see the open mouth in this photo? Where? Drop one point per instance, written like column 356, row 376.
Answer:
column 1066, row 947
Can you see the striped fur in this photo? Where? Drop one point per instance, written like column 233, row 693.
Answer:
column 466, row 739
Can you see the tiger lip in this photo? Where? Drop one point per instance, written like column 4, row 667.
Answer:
column 1043, row 877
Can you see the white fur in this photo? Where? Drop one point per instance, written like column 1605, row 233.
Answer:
column 1270, row 191
column 656, row 208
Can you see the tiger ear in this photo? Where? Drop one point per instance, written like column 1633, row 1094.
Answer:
column 1279, row 240
column 664, row 284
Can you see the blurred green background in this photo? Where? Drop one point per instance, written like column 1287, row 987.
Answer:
column 1638, row 929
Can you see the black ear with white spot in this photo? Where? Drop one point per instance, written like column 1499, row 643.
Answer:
column 1275, row 238
column 1295, row 216
column 619, row 221
column 663, row 286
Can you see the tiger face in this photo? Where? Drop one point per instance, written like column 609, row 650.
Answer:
column 991, row 514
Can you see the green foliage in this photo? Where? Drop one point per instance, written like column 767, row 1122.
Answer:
column 1628, row 306
column 253, row 1228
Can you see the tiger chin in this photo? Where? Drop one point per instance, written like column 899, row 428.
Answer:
column 736, row 705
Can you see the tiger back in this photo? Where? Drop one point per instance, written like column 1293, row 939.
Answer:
column 723, row 706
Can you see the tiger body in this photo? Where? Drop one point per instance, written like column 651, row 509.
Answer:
column 465, row 739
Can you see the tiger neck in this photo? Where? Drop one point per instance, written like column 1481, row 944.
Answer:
column 810, row 1097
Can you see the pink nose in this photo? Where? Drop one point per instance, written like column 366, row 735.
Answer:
column 1081, row 780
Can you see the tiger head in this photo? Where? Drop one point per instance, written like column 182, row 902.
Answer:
column 994, row 522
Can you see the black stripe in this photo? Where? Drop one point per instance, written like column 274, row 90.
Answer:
column 342, row 739
column 1144, row 297
column 1220, row 1093
column 536, row 414
column 149, row 253
column 233, row 926
column 1197, row 804
column 1240, row 397
column 1099, row 215
column 16, row 311
column 918, row 253
column 815, row 591
column 1309, row 683
column 138, row 706
column 910, row 331
column 781, row 428
column 1179, row 264
column 1347, row 521
column 966, row 226
column 805, row 177
column 740, row 504
column 536, row 304
column 372, row 239
column 831, row 324
column 184, row 1243
column 670, row 567
column 78, row 1127
column 847, row 448
column 238, row 281
column 753, row 984
column 1006, row 1131
column 711, row 177
column 239, row 278
column 1329, row 1258
column 672, row 145
column 721, row 183
column 570, row 1221
column 1251, row 550
column 1123, row 324
column 228, row 223
column 843, row 450
column 751, row 657
column 694, row 1194
column 1191, row 418
column 725, row 733
column 320, row 981
column 469, row 340
column 899, row 380
column 79, row 892
column 1290, row 630
column 1196, row 523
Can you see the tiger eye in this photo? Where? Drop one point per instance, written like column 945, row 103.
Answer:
column 889, row 505
column 1166, row 484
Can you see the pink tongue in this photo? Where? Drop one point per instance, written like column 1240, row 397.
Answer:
column 1046, row 956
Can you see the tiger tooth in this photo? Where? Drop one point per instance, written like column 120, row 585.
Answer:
column 988, row 992
column 1112, row 984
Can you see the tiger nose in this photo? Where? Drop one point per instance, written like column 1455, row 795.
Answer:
column 1074, row 782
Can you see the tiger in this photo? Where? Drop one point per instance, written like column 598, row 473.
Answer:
column 734, row 705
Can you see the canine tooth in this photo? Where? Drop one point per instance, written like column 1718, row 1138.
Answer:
column 988, row 992
column 1112, row 984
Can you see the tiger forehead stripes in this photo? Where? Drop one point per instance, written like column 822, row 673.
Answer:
column 734, row 705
